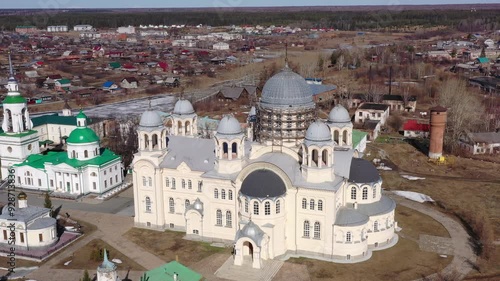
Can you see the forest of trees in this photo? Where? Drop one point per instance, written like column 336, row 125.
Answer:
column 463, row 20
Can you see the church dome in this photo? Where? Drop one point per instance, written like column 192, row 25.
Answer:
column 229, row 126
column 252, row 230
column 183, row 107
column 198, row 205
column 150, row 118
column 318, row 131
column 263, row 184
column 81, row 115
column 82, row 135
column 286, row 88
column 339, row 115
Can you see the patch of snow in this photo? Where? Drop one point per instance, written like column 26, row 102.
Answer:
column 117, row 261
column 68, row 262
column 443, row 256
column 415, row 196
column 412, row 178
column 398, row 229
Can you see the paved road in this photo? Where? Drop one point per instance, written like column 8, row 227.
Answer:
column 463, row 254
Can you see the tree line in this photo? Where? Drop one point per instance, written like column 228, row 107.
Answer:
column 464, row 20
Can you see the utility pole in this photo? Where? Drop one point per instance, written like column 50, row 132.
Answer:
column 390, row 79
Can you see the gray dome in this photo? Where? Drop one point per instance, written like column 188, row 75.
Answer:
column 150, row 118
column 229, row 126
column 183, row 107
column 339, row 115
column 263, row 184
column 318, row 131
column 252, row 231
column 198, row 205
column 286, row 88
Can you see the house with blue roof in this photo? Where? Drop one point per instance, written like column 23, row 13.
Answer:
column 110, row 86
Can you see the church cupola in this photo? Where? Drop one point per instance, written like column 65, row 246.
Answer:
column 22, row 200
column 66, row 109
column 81, row 119
column 317, row 153
column 151, row 132
column 340, row 125
column 16, row 116
column 83, row 143
column 107, row 270
column 184, row 120
column 229, row 145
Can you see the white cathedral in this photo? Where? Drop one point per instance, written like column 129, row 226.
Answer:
column 290, row 185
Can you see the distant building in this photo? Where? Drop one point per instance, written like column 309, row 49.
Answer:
column 481, row 143
column 414, row 129
column 172, row 271
column 397, row 103
column 83, row 27
column 129, row 83
column 372, row 111
column 57, row 28
column 220, row 46
column 23, row 29
column 126, row 29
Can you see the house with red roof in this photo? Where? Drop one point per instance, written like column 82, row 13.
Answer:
column 413, row 129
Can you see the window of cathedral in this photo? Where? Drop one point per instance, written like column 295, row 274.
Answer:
column 190, row 184
column 353, row 193
column 167, row 182
column 306, row 229
column 311, row 204
column 278, row 207
column 246, row 205
column 200, row 185
column 148, row 205
column 223, row 194
column 348, row 237
column 374, row 192
column 86, row 155
column 186, row 204
column 267, row 208
column 216, row 193
column 317, row 230
column 375, row 226
column 229, row 219
column 320, row 205
column 304, row 203
column 94, row 185
column 183, row 183
column 173, row 183
column 219, row 218
column 365, row 193
column 105, row 174
column 256, row 208
column 230, row 195
column 150, row 181
column 171, row 205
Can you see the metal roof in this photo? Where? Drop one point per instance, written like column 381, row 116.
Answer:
column 263, row 184
column 350, row 217
column 197, row 153
column 363, row 171
column 286, row 88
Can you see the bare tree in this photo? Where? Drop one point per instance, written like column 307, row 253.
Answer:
column 340, row 62
column 375, row 94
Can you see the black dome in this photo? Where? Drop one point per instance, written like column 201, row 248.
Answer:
column 263, row 184
column 363, row 171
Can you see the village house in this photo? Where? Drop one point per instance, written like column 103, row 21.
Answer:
column 62, row 85
column 372, row 111
column 481, row 143
column 23, row 29
column 129, row 83
column 57, row 28
column 413, row 129
column 244, row 95
column 83, row 27
column 109, row 86
column 397, row 103
column 220, row 46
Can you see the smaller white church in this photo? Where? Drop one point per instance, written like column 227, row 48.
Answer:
column 34, row 228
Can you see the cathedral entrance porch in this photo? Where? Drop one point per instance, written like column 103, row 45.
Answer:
column 230, row 271
column 246, row 252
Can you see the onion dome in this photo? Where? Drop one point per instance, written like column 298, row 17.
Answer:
column 286, row 88
column 318, row 132
column 81, row 115
column 339, row 115
column 263, row 184
column 82, row 135
column 150, row 118
column 183, row 107
column 198, row 205
column 229, row 126
column 252, row 231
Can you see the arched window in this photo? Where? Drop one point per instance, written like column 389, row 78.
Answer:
column 344, row 137
column 225, row 149
column 73, row 154
column 154, row 141
column 353, row 193
column 216, row 193
column 190, row 184
column 219, row 217
column 173, row 183
column 311, row 204
column 93, row 174
column 365, row 193
column 267, row 208
column 348, row 237
column 336, row 136
column 324, row 157
column 278, row 207
column 144, row 181
column 171, row 205
column 146, row 140
column 317, row 230
column 234, row 149
column 85, row 154
column 304, row 203
column 167, row 182
column 306, row 228
column 223, row 194
column 320, row 205
column 230, row 195
column 28, row 178
column 150, row 181
column 256, row 208
column 229, row 219
column 375, row 226
column 187, row 127
column 186, row 204
column 315, row 158
column 246, row 205
column 183, row 183
column 148, row 205
column 200, row 186
column 374, row 192
column 179, row 127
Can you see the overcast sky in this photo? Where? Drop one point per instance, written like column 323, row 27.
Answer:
column 61, row 4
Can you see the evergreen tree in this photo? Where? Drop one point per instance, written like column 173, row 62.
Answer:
column 48, row 203
column 86, row 276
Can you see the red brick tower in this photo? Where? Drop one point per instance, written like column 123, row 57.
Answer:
column 438, row 124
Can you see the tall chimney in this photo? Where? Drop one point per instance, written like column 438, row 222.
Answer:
column 438, row 125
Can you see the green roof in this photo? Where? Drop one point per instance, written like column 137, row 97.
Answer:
column 53, row 119
column 483, row 60
column 166, row 272
column 82, row 135
column 38, row 161
column 357, row 136
column 81, row 115
column 14, row 99
column 64, row 81
column 115, row 64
